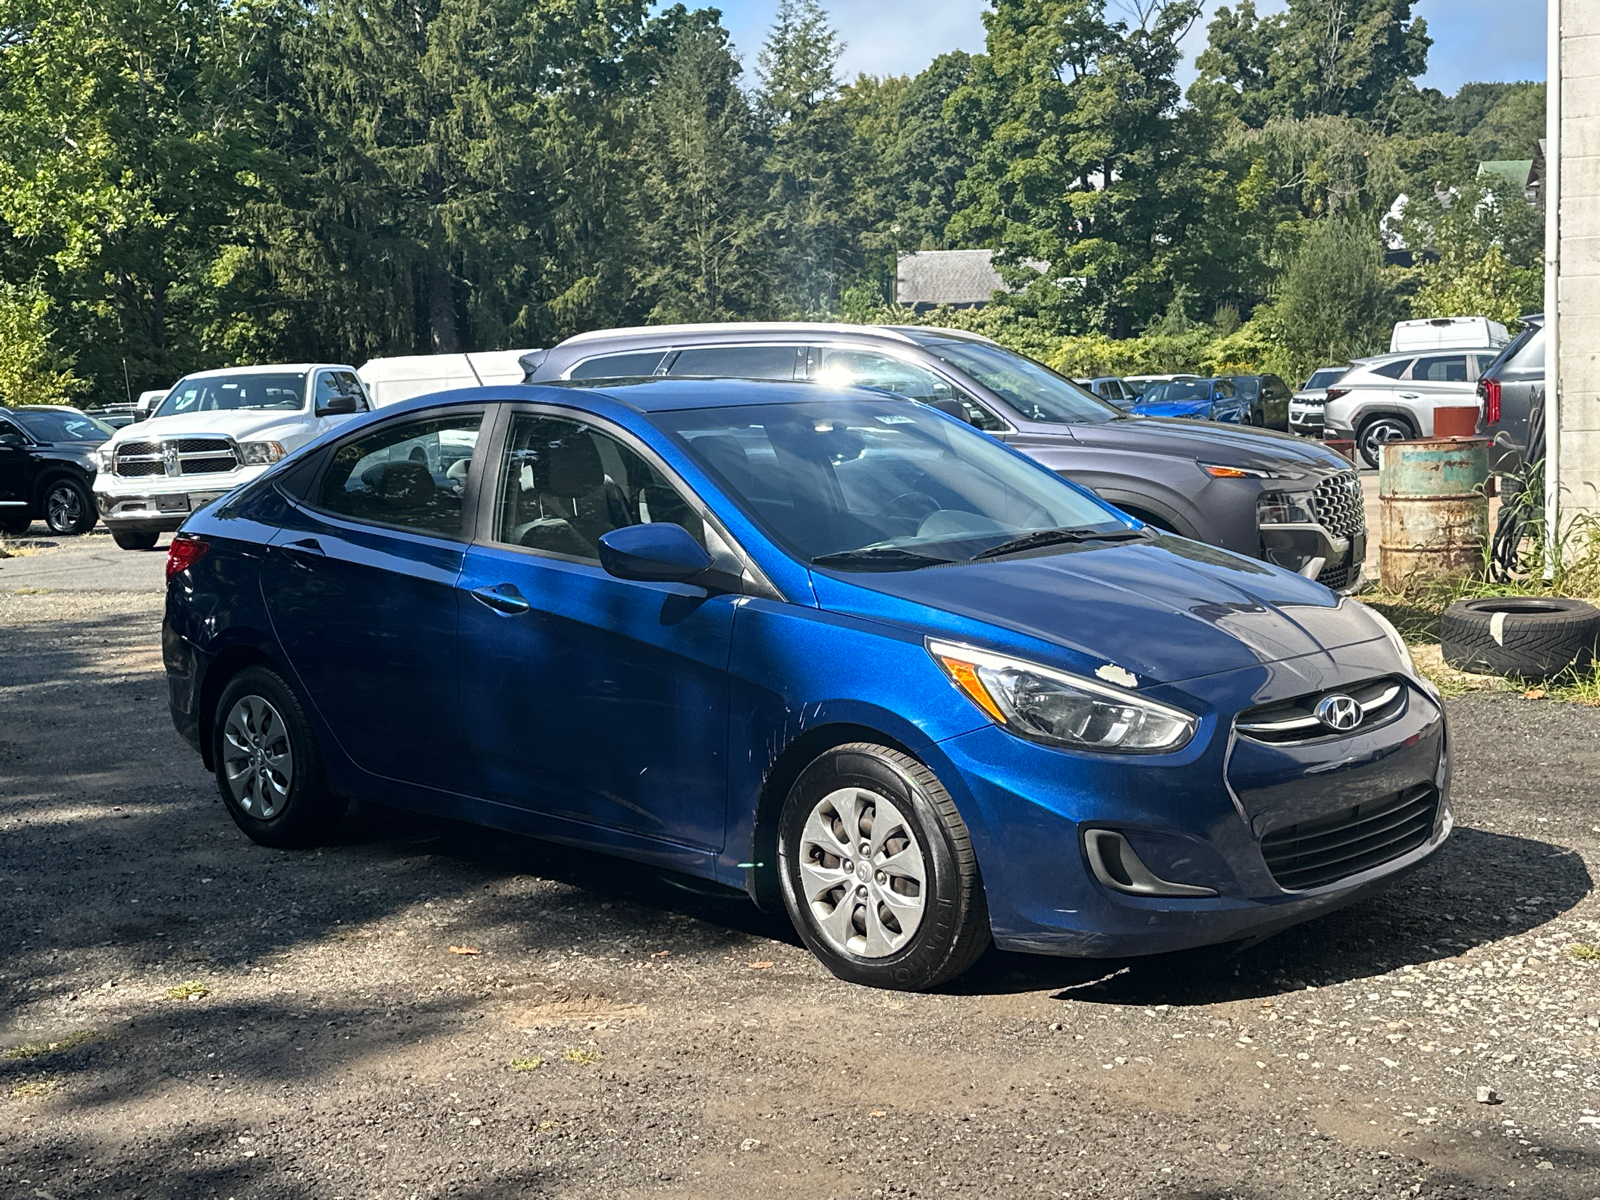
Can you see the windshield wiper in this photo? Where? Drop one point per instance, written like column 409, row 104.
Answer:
column 879, row 558
column 1055, row 537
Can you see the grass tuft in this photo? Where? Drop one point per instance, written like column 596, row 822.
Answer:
column 581, row 1057
column 191, row 990
column 39, row 1049
column 526, row 1064
column 33, row 1088
column 1583, row 952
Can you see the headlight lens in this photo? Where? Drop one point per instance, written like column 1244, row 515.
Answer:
column 1393, row 634
column 1280, row 508
column 1045, row 705
column 260, row 453
column 1222, row 471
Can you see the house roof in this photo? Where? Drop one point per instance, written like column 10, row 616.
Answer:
column 947, row 277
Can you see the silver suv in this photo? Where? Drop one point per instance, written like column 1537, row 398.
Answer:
column 1391, row 398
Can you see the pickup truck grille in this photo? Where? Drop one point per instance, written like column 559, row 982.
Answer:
column 176, row 456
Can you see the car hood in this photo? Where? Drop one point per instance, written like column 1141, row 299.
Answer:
column 1211, row 442
column 1173, row 408
column 239, row 424
column 1166, row 610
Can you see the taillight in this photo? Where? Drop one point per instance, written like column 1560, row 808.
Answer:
column 1489, row 389
column 1335, row 393
column 185, row 551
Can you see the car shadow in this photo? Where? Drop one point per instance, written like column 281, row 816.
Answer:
column 1480, row 888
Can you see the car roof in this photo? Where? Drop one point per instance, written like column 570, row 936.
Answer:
column 265, row 369
column 663, row 393
column 1428, row 352
column 716, row 331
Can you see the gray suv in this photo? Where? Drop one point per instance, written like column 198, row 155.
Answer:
column 1267, row 495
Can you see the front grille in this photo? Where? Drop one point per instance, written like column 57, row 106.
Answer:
column 1336, row 503
column 199, row 464
column 176, row 456
column 1328, row 849
column 138, row 458
column 1295, row 721
column 139, row 468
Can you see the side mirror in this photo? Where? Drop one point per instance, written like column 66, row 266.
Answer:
column 658, row 553
column 338, row 406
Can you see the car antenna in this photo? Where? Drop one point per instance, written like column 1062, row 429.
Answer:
column 126, row 383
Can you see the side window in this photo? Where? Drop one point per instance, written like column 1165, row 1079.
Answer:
column 409, row 475
column 1392, row 370
column 618, row 366
column 7, row 427
column 737, row 362
column 868, row 369
column 1443, row 368
column 350, row 384
column 565, row 484
column 1531, row 356
column 1225, row 388
column 331, row 384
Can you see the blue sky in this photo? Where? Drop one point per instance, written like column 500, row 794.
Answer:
column 1472, row 39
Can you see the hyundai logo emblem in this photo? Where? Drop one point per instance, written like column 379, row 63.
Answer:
column 1339, row 712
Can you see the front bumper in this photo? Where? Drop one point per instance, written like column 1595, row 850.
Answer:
column 1295, row 547
column 1305, row 421
column 1196, row 818
column 152, row 504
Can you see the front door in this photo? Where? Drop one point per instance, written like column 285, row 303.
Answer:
column 587, row 697
column 361, row 587
column 15, row 473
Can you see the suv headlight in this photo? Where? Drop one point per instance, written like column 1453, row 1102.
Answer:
column 258, row 454
column 1280, row 508
column 1045, row 705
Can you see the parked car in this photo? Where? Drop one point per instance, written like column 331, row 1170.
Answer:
column 1391, row 398
column 1267, row 495
column 1447, row 333
column 694, row 623
column 1199, row 400
column 211, row 432
column 1110, row 389
column 1510, row 388
column 1139, row 384
column 47, row 468
column 1268, row 397
column 1305, row 406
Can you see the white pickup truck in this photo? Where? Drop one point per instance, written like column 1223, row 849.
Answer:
column 212, row 432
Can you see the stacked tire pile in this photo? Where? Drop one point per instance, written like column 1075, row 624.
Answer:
column 1523, row 637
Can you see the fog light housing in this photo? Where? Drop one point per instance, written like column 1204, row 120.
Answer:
column 1116, row 866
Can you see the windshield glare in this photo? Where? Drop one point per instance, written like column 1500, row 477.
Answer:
column 1177, row 392
column 893, row 483
column 225, row 393
column 47, row 426
column 1033, row 389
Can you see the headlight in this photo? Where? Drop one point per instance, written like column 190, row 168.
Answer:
column 1219, row 471
column 260, row 453
column 1050, row 706
column 1393, row 634
column 1280, row 508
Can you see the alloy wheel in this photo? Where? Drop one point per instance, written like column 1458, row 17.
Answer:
column 257, row 757
column 63, row 508
column 1379, row 434
column 863, row 873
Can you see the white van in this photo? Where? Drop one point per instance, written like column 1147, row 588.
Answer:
column 391, row 380
column 1448, row 333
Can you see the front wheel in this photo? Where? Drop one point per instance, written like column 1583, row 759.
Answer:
column 878, row 872
column 268, row 765
column 1378, row 433
column 69, row 508
column 128, row 540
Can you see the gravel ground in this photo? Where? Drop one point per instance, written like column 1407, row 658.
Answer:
column 426, row 1009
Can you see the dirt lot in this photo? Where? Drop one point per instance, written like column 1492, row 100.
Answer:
column 424, row 1009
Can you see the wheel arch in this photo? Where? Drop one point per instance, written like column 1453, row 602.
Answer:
column 53, row 474
column 1367, row 418
column 221, row 670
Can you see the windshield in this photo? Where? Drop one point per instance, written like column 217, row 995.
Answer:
column 224, row 393
column 1033, row 389
column 1177, row 392
column 1326, row 377
column 55, row 426
column 879, row 485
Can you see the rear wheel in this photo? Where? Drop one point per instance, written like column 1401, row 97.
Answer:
column 878, row 872
column 68, row 507
column 1379, row 432
column 268, row 765
column 129, row 540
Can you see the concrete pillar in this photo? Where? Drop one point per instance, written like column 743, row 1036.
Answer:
column 1579, row 283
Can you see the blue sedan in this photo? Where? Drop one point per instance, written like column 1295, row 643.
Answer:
column 831, row 647
column 1201, row 399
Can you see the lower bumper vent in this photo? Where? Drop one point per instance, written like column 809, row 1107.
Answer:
column 1314, row 853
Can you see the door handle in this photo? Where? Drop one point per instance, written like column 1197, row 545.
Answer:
column 1411, row 395
column 303, row 549
column 503, row 598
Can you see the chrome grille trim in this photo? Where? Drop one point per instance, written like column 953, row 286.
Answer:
column 1294, row 721
column 177, row 456
column 1336, row 503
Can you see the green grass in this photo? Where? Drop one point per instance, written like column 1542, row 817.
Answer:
column 193, row 989
column 1583, row 952
column 581, row 1057
column 526, row 1064
column 59, row 1046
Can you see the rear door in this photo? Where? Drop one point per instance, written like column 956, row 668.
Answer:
column 1275, row 396
column 361, row 586
column 16, row 472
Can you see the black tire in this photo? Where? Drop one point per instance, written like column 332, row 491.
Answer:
column 305, row 812
column 1525, row 637
column 1377, row 431
column 68, row 507
column 129, row 540
column 954, row 926
column 15, row 525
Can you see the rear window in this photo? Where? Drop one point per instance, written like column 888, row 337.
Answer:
column 618, row 366
column 1392, row 370
column 1326, row 377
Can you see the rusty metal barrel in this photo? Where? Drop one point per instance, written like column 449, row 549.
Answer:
column 1433, row 510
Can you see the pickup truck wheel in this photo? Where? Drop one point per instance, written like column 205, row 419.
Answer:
column 68, row 507
column 129, row 540
column 1379, row 432
column 268, row 765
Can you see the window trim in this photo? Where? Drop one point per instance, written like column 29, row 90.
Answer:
column 469, row 493
column 666, row 353
column 802, row 359
column 755, row 580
